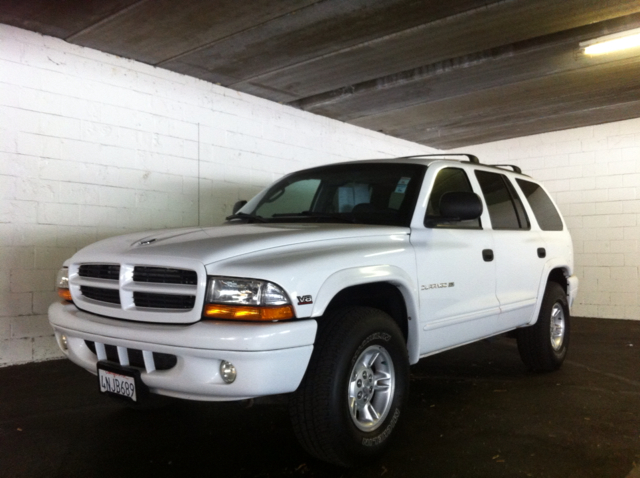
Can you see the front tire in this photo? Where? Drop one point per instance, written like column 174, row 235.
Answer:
column 543, row 346
column 352, row 395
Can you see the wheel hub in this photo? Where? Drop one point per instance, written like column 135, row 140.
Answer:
column 558, row 328
column 371, row 387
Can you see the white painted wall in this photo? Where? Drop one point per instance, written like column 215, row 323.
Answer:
column 593, row 174
column 93, row 145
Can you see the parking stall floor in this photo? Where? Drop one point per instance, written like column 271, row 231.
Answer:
column 472, row 412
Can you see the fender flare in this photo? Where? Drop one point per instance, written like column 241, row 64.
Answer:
column 393, row 275
column 546, row 272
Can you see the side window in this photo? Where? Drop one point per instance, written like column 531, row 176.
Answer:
column 517, row 202
column 450, row 180
column 543, row 209
column 505, row 208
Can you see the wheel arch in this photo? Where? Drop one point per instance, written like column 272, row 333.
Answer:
column 386, row 288
column 559, row 276
column 556, row 272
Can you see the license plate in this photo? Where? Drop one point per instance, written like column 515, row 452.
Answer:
column 119, row 383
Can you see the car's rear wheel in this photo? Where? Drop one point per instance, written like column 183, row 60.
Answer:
column 543, row 346
column 352, row 395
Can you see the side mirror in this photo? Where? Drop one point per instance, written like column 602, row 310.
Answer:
column 237, row 206
column 455, row 207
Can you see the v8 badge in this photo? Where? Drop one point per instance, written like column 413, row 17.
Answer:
column 305, row 299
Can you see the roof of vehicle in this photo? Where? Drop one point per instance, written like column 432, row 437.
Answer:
column 428, row 159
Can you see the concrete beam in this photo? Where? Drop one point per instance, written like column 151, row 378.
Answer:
column 312, row 31
column 483, row 28
column 497, row 67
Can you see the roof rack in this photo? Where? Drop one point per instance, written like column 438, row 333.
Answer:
column 472, row 159
column 516, row 169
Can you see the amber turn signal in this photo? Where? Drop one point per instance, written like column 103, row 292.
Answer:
column 65, row 294
column 239, row 312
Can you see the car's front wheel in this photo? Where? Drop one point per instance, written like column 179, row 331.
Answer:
column 351, row 398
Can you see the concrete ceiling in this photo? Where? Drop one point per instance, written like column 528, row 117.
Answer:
column 442, row 73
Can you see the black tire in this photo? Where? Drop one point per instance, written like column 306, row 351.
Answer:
column 321, row 414
column 543, row 346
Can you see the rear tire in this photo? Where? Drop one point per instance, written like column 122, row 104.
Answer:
column 352, row 395
column 543, row 346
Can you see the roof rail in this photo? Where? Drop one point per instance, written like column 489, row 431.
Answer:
column 472, row 158
column 516, row 169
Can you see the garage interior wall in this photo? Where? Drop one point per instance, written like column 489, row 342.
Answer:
column 593, row 174
column 93, row 145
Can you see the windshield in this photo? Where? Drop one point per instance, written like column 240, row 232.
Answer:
column 366, row 193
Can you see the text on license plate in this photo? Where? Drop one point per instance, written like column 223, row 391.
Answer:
column 117, row 383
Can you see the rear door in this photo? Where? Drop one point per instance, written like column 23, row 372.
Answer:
column 519, row 250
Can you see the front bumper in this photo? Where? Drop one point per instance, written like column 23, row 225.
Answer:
column 269, row 358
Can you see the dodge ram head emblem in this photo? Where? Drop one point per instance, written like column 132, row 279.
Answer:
column 305, row 299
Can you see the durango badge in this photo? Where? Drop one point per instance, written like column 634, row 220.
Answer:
column 305, row 299
column 442, row 285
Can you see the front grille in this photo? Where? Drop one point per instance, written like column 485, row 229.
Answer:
column 162, row 361
column 163, row 301
column 164, row 275
column 100, row 271
column 103, row 295
column 166, row 289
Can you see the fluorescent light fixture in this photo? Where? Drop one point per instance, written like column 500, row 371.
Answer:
column 611, row 43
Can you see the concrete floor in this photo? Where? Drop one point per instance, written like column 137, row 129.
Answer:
column 472, row 412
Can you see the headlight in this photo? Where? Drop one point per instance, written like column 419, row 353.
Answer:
column 246, row 299
column 62, row 284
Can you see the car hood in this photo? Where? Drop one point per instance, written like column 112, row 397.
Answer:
column 212, row 244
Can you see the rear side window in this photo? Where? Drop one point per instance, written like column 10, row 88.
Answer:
column 505, row 208
column 543, row 209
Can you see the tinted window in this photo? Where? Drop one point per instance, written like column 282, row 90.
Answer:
column 517, row 202
column 500, row 201
column 450, row 180
column 542, row 206
column 369, row 193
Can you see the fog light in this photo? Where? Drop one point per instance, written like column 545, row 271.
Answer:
column 227, row 371
column 64, row 344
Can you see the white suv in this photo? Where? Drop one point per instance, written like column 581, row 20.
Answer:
column 327, row 285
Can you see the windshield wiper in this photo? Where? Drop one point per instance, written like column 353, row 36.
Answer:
column 244, row 215
column 317, row 215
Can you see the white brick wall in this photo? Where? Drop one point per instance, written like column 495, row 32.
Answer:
column 594, row 175
column 92, row 145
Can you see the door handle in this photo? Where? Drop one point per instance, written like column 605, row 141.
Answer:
column 487, row 255
column 542, row 252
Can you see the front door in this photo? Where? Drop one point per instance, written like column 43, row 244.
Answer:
column 456, row 272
